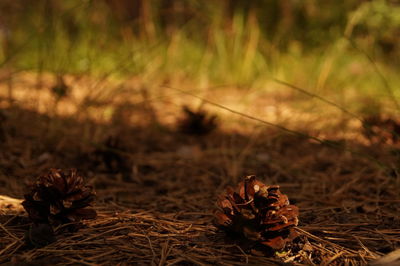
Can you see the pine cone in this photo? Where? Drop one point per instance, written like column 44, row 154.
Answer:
column 110, row 154
column 60, row 89
column 259, row 213
column 59, row 197
column 381, row 130
column 197, row 123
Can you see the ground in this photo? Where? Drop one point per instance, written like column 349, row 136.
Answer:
column 155, row 203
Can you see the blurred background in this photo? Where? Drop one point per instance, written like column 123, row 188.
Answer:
column 312, row 65
column 347, row 51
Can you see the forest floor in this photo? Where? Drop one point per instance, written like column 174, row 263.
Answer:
column 159, row 209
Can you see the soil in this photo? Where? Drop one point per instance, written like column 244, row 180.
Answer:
column 157, row 189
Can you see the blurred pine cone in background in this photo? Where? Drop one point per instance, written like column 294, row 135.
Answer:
column 60, row 89
column 59, row 197
column 109, row 153
column 197, row 122
column 259, row 213
column 381, row 130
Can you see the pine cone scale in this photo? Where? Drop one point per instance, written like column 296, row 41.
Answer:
column 223, row 219
column 36, row 210
column 80, row 195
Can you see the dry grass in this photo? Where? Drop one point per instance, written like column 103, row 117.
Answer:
column 160, row 211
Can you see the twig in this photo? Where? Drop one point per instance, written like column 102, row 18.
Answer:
column 319, row 140
column 152, row 250
column 10, row 234
column 312, row 95
column 376, row 68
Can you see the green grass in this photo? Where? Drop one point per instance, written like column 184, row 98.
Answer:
column 207, row 50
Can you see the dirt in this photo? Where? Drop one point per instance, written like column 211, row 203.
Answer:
column 157, row 189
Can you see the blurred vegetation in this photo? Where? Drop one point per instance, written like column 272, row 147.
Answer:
column 328, row 47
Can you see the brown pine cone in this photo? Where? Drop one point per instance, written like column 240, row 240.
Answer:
column 381, row 130
column 197, row 122
column 60, row 89
column 109, row 154
column 59, row 197
column 259, row 213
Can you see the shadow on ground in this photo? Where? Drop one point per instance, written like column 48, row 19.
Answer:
column 157, row 189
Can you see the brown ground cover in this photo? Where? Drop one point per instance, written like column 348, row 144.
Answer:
column 157, row 189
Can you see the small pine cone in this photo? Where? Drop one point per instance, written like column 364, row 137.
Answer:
column 60, row 89
column 259, row 213
column 197, row 123
column 381, row 130
column 59, row 197
column 110, row 155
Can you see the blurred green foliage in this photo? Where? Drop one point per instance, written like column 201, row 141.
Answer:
column 378, row 20
column 237, row 42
